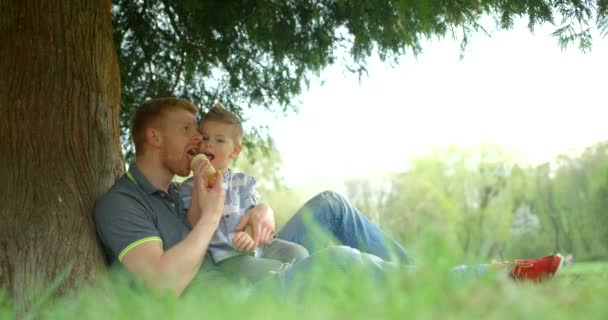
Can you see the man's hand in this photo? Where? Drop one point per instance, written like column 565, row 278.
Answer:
column 261, row 219
column 243, row 242
column 208, row 202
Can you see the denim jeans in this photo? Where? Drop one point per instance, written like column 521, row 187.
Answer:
column 328, row 216
column 275, row 256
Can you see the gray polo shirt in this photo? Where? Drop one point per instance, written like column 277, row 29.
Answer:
column 133, row 212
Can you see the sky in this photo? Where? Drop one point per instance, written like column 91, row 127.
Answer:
column 513, row 88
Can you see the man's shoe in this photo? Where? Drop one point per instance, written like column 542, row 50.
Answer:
column 536, row 269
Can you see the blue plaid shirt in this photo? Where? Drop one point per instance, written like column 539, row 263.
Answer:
column 240, row 197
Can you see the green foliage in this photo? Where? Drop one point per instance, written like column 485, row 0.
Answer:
column 477, row 199
column 489, row 207
column 259, row 54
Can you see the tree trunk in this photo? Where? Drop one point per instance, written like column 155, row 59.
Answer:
column 554, row 216
column 59, row 149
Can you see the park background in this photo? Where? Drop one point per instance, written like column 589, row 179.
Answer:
column 471, row 131
column 502, row 150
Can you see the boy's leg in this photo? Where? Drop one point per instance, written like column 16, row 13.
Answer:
column 334, row 215
column 249, row 268
column 285, row 251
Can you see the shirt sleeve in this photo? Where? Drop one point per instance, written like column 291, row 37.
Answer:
column 123, row 223
column 251, row 197
column 186, row 192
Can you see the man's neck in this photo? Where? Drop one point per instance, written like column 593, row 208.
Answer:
column 155, row 172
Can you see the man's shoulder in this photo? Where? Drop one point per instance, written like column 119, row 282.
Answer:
column 122, row 186
column 122, row 192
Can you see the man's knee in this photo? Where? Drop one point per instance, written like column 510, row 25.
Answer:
column 328, row 201
column 298, row 252
column 289, row 251
column 329, row 195
column 343, row 254
column 293, row 251
column 349, row 258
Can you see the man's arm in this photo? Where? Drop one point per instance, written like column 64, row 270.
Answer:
column 193, row 216
column 187, row 188
column 175, row 268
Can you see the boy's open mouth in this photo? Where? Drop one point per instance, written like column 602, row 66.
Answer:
column 210, row 156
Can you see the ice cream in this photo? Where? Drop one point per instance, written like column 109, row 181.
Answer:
column 209, row 171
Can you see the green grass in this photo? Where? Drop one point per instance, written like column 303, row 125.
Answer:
column 428, row 292
column 586, row 269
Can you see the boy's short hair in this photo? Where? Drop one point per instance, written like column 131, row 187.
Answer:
column 150, row 114
column 218, row 114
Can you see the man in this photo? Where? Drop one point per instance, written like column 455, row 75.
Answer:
column 140, row 220
column 142, row 225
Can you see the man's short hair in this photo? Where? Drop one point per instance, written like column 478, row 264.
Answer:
column 219, row 114
column 150, row 113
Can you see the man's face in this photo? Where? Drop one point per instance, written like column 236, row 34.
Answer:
column 179, row 141
column 219, row 144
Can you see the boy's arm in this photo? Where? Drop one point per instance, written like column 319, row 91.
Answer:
column 248, row 230
column 258, row 216
column 240, row 242
column 261, row 220
column 250, row 199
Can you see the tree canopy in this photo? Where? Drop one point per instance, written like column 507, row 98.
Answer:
column 260, row 54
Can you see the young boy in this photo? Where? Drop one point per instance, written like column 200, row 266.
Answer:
column 232, row 250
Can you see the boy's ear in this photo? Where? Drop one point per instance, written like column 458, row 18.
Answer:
column 236, row 151
column 153, row 137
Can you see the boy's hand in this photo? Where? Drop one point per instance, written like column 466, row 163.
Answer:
column 249, row 230
column 243, row 242
column 261, row 219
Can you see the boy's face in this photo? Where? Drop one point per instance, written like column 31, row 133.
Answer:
column 219, row 144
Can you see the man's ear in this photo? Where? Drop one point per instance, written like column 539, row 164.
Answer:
column 153, row 137
column 236, row 151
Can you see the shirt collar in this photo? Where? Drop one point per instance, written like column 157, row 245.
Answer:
column 228, row 174
column 226, row 178
column 140, row 180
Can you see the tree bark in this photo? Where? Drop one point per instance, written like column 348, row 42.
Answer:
column 59, row 147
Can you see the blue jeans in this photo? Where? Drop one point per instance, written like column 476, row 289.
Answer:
column 328, row 216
